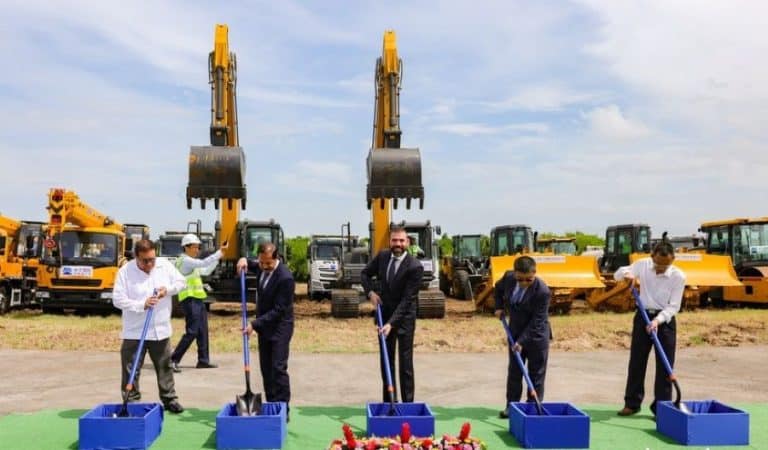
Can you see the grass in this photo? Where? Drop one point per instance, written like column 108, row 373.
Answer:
column 462, row 330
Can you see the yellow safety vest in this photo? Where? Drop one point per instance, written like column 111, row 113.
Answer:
column 194, row 283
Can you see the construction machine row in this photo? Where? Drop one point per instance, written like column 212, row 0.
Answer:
column 71, row 260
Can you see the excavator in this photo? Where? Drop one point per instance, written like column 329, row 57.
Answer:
column 217, row 172
column 20, row 247
column 83, row 250
column 625, row 244
column 393, row 173
column 465, row 268
column 566, row 275
column 745, row 241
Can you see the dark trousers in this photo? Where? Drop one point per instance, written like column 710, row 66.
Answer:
column 273, row 360
column 402, row 339
column 196, row 319
column 160, row 354
column 638, row 362
column 536, row 359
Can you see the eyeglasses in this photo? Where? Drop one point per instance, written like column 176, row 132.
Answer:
column 147, row 261
column 525, row 279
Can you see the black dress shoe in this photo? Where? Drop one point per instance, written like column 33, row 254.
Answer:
column 206, row 365
column 627, row 411
column 175, row 367
column 504, row 414
column 174, row 406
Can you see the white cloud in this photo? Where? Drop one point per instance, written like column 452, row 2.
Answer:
column 473, row 129
column 542, row 98
column 608, row 122
column 313, row 177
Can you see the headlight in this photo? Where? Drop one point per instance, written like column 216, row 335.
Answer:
column 42, row 294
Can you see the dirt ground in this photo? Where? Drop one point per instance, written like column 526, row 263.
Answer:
column 36, row 380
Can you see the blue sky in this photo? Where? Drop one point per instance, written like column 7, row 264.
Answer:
column 562, row 115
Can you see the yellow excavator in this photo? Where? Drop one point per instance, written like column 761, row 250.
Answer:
column 566, row 275
column 217, row 172
column 625, row 244
column 83, row 250
column 745, row 241
column 20, row 247
column 394, row 173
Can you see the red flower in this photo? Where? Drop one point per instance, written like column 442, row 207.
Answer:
column 427, row 443
column 349, row 436
column 464, row 431
column 405, row 433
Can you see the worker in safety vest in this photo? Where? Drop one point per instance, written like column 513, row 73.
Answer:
column 192, row 301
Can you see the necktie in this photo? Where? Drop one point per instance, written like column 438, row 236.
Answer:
column 391, row 272
column 517, row 296
column 264, row 278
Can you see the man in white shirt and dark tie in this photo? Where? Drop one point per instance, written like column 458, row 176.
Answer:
column 662, row 286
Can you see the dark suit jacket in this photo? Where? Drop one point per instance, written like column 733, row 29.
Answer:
column 400, row 297
column 274, row 305
column 528, row 319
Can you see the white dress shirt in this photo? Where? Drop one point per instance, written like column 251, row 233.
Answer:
column 206, row 265
column 659, row 291
column 132, row 288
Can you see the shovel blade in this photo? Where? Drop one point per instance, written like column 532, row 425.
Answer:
column 248, row 404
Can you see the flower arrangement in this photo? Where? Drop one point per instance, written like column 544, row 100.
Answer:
column 406, row 441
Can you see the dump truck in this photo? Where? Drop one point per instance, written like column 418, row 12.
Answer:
column 83, row 250
column 324, row 253
column 745, row 241
column 625, row 244
column 566, row 275
column 465, row 268
column 217, row 173
column 393, row 173
column 20, row 251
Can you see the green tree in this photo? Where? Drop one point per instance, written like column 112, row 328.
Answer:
column 298, row 260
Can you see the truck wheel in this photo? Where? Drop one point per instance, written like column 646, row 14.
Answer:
column 462, row 288
column 5, row 301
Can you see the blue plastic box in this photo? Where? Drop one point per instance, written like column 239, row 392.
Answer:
column 99, row 430
column 418, row 416
column 709, row 423
column 563, row 426
column 265, row 431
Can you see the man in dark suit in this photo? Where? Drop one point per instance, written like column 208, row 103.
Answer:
column 274, row 319
column 399, row 276
column 524, row 298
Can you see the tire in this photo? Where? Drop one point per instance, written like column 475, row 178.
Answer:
column 462, row 288
column 5, row 301
column 431, row 305
column 445, row 285
column 345, row 304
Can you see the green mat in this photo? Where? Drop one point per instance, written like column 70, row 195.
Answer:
column 313, row 428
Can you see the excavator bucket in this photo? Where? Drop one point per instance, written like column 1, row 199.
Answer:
column 216, row 172
column 703, row 270
column 395, row 173
column 558, row 271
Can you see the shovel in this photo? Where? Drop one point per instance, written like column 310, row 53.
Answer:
column 521, row 365
column 248, row 404
column 670, row 375
column 385, row 356
column 129, row 387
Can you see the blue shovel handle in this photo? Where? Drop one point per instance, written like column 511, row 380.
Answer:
column 523, row 369
column 141, row 345
column 654, row 337
column 244, row 307
column 385, row 354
